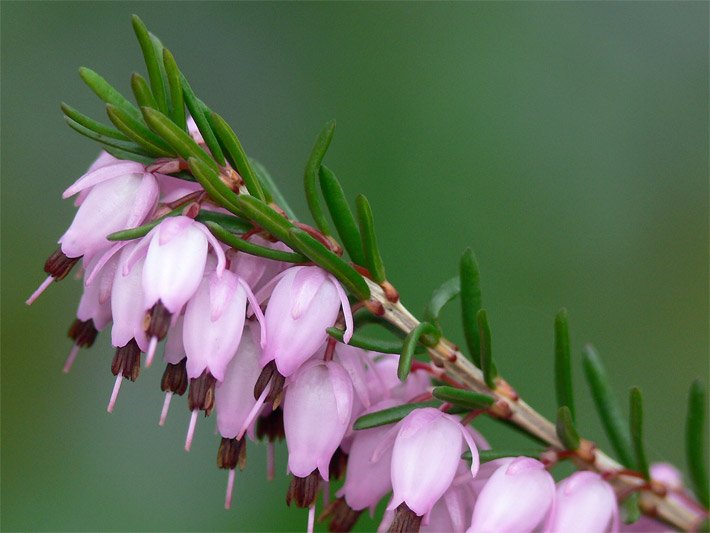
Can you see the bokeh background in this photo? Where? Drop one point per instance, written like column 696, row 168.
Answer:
column 567, row 143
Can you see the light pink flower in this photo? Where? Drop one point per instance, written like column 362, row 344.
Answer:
column 214, row 321
column 426, row 454
column 121, row 196
column 127, row 302
column 317, row 406
column 667, row 474
column 452, row 512
column 258, row 270
column 516, row 498
column 584, row 503
column 303, row 304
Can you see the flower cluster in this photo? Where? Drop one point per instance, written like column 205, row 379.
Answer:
column 246, row 336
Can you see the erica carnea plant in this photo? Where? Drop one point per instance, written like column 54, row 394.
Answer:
column 182, row 238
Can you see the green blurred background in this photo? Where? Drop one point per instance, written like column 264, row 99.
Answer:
column 566, row 143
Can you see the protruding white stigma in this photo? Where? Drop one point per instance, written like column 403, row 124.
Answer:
column 46, row 283
column 70, row 360
column 230, row 489
column 191, row 429
column 311, row 517
column 114, row 392
column 254, row 411
column 270, row 461
column 150, row 354
column 166, row 406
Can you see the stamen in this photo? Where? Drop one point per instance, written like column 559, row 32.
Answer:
column 311, row 517
column 270, row 452
column 191, row 430
column 230, row 489
column 166, row 406
column 114, row 392
column 326, row 493
column 254, row 411
column 70, row 360
column 43, row 287
column 151, row 351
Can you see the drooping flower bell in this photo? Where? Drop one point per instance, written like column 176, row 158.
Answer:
column 584, row 503
column 175, row 257
column 425, row 457
column 515, row 499
column 175, row 378
column 317, row 406
column 303, row 304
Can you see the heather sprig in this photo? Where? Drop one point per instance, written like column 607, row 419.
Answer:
column 183, row 237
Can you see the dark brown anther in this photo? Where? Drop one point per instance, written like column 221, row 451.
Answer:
column 175, row 378
column 83, row 332
column 271, row 426
column 338, row 464
column 276, row 392
column 342, row 516
column 232, row 453
column 405, row 520
column 157, row 321
column 303, row 490
column 127, row 361
column 59, row 265
column 201, row 395
column 263, row 380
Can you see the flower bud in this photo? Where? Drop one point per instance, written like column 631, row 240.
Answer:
column 667, row 474
column 515, row 499
column 317, row 407
column 584, row 502
column 427, row 452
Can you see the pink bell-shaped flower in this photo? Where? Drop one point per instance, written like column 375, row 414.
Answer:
column 584, row 502
column 122, row 195
column 426, row 454
column 127, row 302
column 258, row 270
column 317, row 406
column 303, row 304
column 214, row 321
column 452, row 512
column 516, row 498
column 367, row 478
column 667, row 474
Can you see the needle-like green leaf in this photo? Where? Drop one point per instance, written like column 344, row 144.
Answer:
column 563, row 364
column 448, row 290
column 126, row 146
column 199, row 113
column 486, row 351
column 566, row 431
column 122, row 154
column 139, row 132
column 142, row 92
column 341, row 214
column 217, row 190
column 630, row 510
column 695, row 441
column 105, row 91
column 142, row 231
column 228, row 222
column 373, row 259
column 390, row 415
column 253, row 249
column 153, row 63
column 636, row 430
column 271, row 190
column 326, row 259
column 92, row 124
column 265, row 217
column 177, row 101
column 236, row 154
column 609, row 411
column 485, row 456
column 366, row 343
column 310, row 179
column 176, row 137
column 421, row 332
column 462, row 397
column 470, row 303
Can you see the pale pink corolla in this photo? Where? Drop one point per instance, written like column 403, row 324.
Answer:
column 452, row 512
column 584, row 503
column 303, row 304
column 95, row 302
column 127, row 299
column 515, row 499
column 175, row 261
column 121, row 196
column 234, row 396
column 258, row 270
column 174, row 349
column 367, row 478
column 426, row 454
column 213, row 323
column 667, row 474
column 317, row 405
